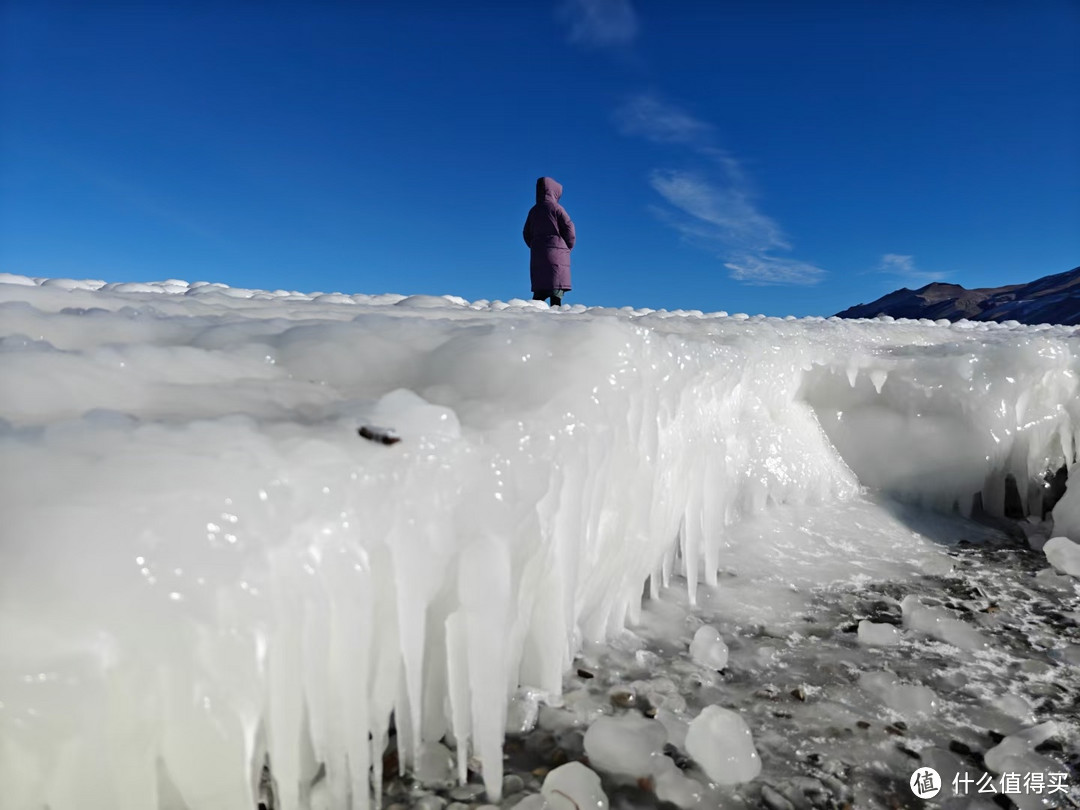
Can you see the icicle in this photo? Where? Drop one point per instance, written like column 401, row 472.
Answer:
column 878, row 377
column 458, row 688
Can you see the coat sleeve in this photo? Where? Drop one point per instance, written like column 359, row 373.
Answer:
column 566, row 228
column 525, row 233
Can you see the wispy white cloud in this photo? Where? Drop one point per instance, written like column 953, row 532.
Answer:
column 648, row 117
column 723, row 208
column 898, row 264
column 713, row 204
column 600, row 23
column 762, row 268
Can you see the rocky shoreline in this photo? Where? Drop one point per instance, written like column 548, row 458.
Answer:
column 823, row 741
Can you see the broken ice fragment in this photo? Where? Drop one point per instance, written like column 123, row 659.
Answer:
column 909, row 700
column 940, row 624
column 1063, row 554
column 573, row 787
column 708, row 649
column 627, row 744
column 721, row 743
column 878, row 635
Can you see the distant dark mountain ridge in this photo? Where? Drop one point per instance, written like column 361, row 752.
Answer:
column 1051, row 299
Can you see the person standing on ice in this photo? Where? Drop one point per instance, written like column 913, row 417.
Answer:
column 550, row 235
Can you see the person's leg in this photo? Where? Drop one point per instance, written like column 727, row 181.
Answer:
column 543, row 295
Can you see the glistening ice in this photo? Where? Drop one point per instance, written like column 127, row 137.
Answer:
column 204, row 567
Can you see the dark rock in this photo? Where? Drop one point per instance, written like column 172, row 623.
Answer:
column 511, row 784
column 681, row 760
column 467, row 793
column 379, row 435
column 773, row 800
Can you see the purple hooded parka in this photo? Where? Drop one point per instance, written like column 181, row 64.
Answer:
column 549, row 233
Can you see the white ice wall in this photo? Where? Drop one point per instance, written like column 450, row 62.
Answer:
column 201, row 560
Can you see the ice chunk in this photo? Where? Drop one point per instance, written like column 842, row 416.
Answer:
column 627, row 744
column 672, row 785
column 721, row 743
column 941, row 625
column 708, row 649
column 1016, row 707
column 573, row 787
column 1018, row 745
column 1066, row 512
column 909, row 700
column 434, row 765
column 878, row 634
column 1016, row 754
column 524, row 710
column 1063, row 554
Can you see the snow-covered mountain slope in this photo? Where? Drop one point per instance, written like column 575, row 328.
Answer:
column 204, row 566
column 1051, row 299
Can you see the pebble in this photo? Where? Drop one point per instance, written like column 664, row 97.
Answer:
column 681, row 760
column 773, row 800
column 430, row 803
column 467, row 793
column 512, row 784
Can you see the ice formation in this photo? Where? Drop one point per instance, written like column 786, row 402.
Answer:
column 628, row 745
column 878, row 634
column 722, row 744
column 708, row 649
column 909, row 700
column 573, row 787
column 204, row 567
column 941, row 624
column 1016, row 753
column 1063, row 554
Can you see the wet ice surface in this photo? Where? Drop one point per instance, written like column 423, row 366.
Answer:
column 837, row 722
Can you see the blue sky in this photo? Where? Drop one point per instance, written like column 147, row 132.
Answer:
column 774, row 156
